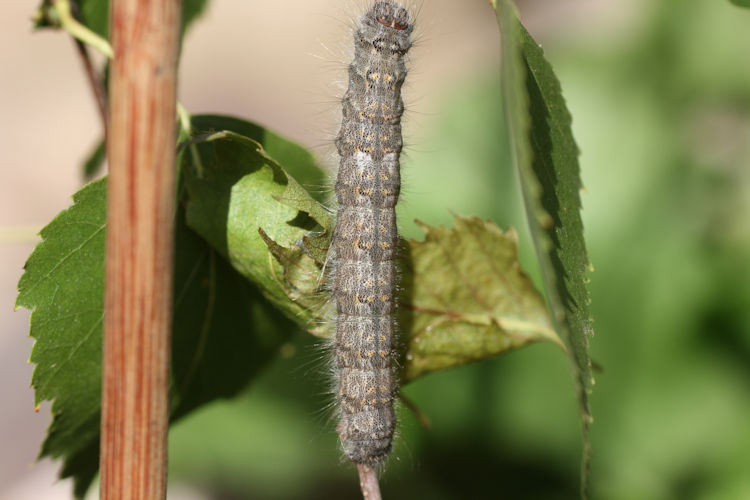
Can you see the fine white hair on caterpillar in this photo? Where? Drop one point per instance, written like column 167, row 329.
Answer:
column 329, row 82
column 365, row 237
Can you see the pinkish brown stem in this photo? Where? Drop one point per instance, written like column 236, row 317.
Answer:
column 140, row 212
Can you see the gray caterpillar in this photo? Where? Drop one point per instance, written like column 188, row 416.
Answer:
column 365, row 235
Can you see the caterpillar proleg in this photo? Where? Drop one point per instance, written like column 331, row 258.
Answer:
column 365, row 235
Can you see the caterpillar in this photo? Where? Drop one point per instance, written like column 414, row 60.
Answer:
column 365, row 234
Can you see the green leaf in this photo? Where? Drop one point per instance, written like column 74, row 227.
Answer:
column 464, row 296
column 547, row 160
column 63, row 286
column 741, row 3
column 296, row 159
column 191, row 10
column 95, row 160
column 94, row 14
column 224, row 332
column 246, row 198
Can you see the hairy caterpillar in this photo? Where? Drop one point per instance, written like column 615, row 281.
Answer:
column 365, row 235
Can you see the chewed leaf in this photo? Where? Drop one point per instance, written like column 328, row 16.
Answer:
column 465, row 297
column 223, row 330
column 247, row 206
column 298, row 267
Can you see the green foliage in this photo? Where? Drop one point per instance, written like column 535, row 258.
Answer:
column 251, row 254
column 236, row 191
column 547, row 160
column 465, row 297
column 661, row 110
column 223, row 330
column 63, row 285
column 741, row 3
column 94, row 14
column 95, row 160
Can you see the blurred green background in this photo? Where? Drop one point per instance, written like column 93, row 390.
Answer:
column 662, row 117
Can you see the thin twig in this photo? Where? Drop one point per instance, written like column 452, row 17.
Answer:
column 80, row 31
column 368, row 482
column 95, row 82
column 423, row 419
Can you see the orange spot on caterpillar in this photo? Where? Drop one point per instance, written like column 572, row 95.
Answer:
column 367, row 215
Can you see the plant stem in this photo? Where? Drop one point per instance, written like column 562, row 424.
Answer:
column 140, row 227
column 368, row 482
column 93, row 77
column 78, row 30
column 423, row 419
column 94, row 82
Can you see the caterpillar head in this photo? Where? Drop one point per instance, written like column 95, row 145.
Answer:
column 392, row 16
column 388, row 22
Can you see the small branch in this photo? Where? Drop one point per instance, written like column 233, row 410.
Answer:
column 94, row 82
column 423, row 419
column 78, row 30
column 186, row 125
column 368, row 482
